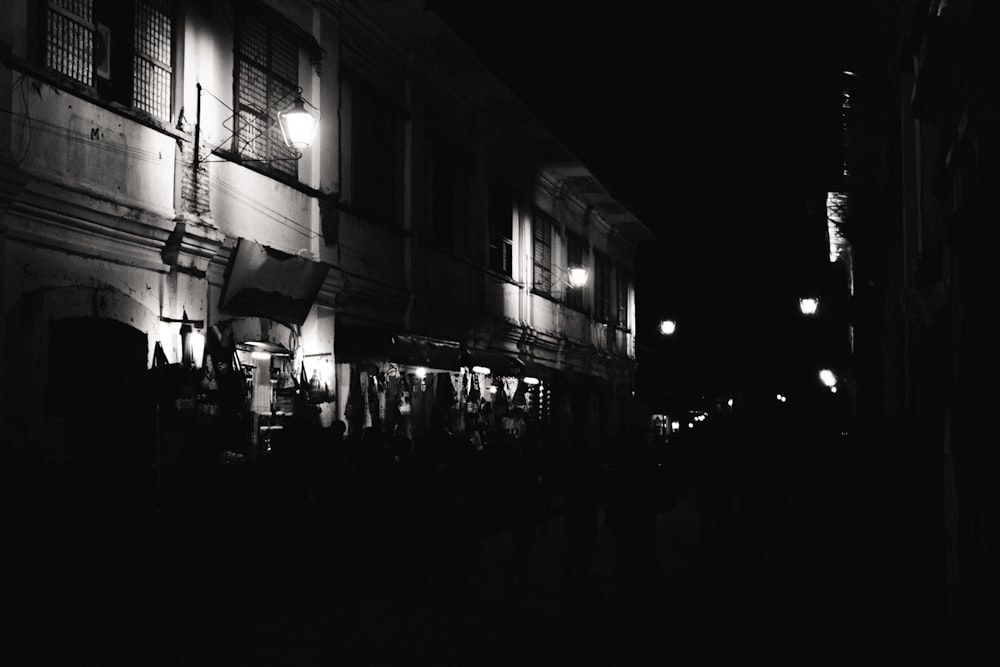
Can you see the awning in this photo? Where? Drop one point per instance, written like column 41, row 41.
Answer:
column 374, row 343
column 545, row 373
column 588, row 381
column 499, row 363
column 270, row 283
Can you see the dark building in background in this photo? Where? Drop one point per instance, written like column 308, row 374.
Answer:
column 923, row 156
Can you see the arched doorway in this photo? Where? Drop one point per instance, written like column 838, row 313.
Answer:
column 100, row 419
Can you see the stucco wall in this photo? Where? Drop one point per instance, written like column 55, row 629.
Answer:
column 70, row 141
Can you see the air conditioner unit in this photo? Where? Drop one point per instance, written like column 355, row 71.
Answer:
column 102, row 51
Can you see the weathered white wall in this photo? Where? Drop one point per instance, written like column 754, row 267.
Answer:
column 85, row 147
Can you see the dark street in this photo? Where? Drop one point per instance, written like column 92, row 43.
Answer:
column 804, row 569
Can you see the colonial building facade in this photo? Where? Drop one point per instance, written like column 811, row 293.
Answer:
column 170, row 260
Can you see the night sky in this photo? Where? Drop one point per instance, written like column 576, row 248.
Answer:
column 712, row 122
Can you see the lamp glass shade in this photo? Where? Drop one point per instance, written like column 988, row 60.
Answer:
column 298, row 125
column 578, row 276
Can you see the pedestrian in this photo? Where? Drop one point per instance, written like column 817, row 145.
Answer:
column 522, row 493
column 716, row 487
column 583, row 503
column 632, row 514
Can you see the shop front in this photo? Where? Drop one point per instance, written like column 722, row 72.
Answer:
column 402, row 384
column 239, row 380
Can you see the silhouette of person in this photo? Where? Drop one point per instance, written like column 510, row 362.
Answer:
column 330, row 484
column 522, row 502
column 716, row 486
column 632, row 514
column 583, row 502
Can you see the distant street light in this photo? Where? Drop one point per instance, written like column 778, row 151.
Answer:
column 827, row 377
column 808, row 305
column 667, row 327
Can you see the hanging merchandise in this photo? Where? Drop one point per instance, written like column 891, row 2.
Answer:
column 391, row 399
column 317, row 393
column 208, row 390
column 474, row 396
column 486, row 414
column 354, row 410
column 303, row 380
column 285, row 386
column 444, row 393
column 457, row 386
column 465, row 384
column 166, row 378
column 383, row 396
column 500, row 403
column 404, row 399
column 374, row 401
column 208, row 382
column 365, row 418
column 510, row 388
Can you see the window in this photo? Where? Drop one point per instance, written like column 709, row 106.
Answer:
column 501, row 220
column 450, row 196
column 266, row 81
column 123, row 50
column 542, row 233
column 70, row 39
column 151, row 71
column 621, row 299
column 577, row 250
column 602, row 287
column 376, row 155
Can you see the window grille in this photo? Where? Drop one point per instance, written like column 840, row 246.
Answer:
column 266, row 81
column 622, row 298
column 602, row 287
column 376, row 159
column 151, row 62
column 139, row 52
column 542, row 278
column 501, row 254
column 501, row 230
column 70, row 39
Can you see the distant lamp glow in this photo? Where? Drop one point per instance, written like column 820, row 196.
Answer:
column 481, row 370
column 675, row 426
column 420, row 372
column 530, row 380
column 578, row 276
column 827, row 377
column 667, row 327
column 729, row 402
column 298, row 125
column 690, row 424
column 808, row 305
